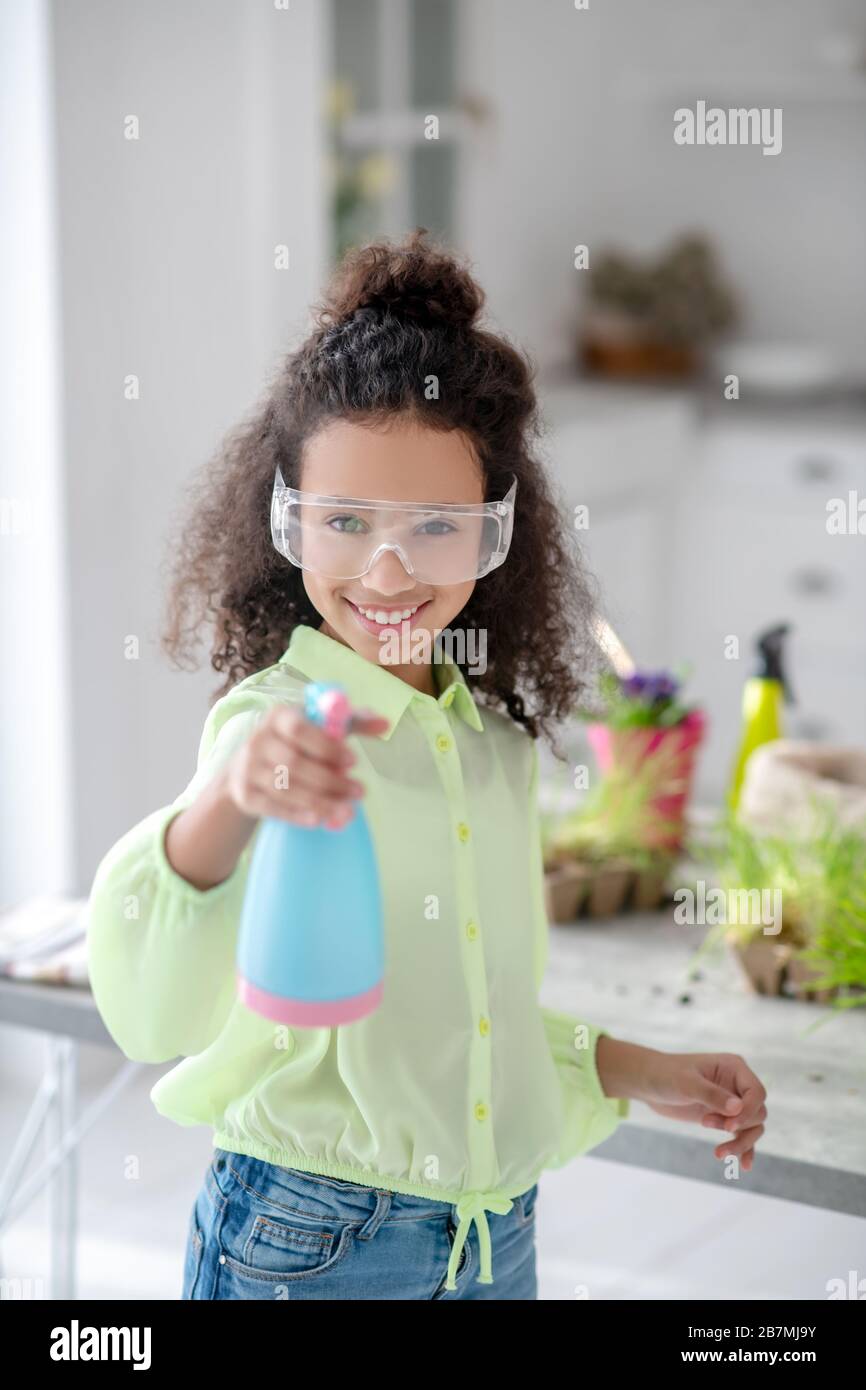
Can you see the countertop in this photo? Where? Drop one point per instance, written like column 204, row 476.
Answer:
column 629, row 974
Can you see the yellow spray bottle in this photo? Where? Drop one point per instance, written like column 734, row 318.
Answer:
column 763, row 697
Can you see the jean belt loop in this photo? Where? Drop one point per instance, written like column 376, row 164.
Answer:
column 377, row 1216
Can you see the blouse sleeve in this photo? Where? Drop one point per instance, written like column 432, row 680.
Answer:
column 589, row 1115
column 161, row 953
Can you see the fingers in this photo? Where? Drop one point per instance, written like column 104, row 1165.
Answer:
column 747, row 1085
column 301, row 807
column 738, row 1101
column 717, row 1099
column 733, row 1122
column 366, row 722
column 714, row 1121
column 286, row 768
column 303, row 734
column 754, row 1096
column 299, row 733
column 742, row 1144
column 745, row 1120
column 313, row 792
column 292, row 770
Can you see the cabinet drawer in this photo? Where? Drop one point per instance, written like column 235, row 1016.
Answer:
column 743, row 567
column 798, row 471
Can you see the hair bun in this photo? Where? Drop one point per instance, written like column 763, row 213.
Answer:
column 411, row 279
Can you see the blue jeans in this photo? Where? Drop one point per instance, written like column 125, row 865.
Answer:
column 258, row 1230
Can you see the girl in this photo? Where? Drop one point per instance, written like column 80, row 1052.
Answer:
column 397, row 1156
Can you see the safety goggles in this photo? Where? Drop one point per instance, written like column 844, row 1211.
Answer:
column 436, row 543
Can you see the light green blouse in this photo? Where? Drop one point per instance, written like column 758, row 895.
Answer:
column 460, row 1087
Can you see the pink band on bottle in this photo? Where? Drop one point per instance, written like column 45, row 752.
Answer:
column 306, row 1013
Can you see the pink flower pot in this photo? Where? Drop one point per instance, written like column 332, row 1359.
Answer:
column 678, row 747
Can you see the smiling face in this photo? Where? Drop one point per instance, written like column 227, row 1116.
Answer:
column 405, row 462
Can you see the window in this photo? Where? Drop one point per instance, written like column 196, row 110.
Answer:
column 395, row 119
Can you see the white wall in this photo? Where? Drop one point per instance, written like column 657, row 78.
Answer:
column 529, row 179
column 35, row 839
column 168, row 274
column 582, row 150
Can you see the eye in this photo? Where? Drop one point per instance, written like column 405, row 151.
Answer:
column 445, row 528
column 346, row 524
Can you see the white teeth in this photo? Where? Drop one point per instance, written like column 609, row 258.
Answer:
column 378, row 615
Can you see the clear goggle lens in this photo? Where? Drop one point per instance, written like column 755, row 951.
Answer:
column 343, row 538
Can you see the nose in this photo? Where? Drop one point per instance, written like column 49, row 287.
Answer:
column 387, row 574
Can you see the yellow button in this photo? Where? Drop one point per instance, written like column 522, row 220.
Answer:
column 484, row 1026
column 443, row 743
column 463, row 831
column 481, row 1111
column 472, row 930
column 448, row 697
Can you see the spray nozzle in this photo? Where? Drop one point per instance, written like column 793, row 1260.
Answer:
column 329, row 707
column 771, row 648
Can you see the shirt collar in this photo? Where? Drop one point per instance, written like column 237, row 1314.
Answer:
column 369, row 686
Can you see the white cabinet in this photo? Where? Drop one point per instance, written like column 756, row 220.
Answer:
column 621, row 549
column 753, row 550
column 620, row 453
column 705, row 531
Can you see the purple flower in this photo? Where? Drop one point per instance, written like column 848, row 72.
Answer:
column 650, row 687
column 633, row 686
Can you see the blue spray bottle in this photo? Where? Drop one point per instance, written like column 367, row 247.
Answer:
column 311, row 940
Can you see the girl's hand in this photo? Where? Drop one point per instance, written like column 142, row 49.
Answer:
column 292, row 770
column 715, row 1089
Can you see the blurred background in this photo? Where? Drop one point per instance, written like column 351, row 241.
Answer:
column 177, row 179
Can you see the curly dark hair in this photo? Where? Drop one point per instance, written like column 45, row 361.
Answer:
column 392, row 317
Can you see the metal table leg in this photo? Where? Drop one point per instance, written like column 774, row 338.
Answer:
column 54, row 1113
column 62, row 1066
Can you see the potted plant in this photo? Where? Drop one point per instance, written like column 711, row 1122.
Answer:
column 652, row 318
column 836, row 961
column 567, row 873
column 597, row 854
column 643, row 728
column 566, row 884
column 652, row 878
column 833, row 965
column 819, row 953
